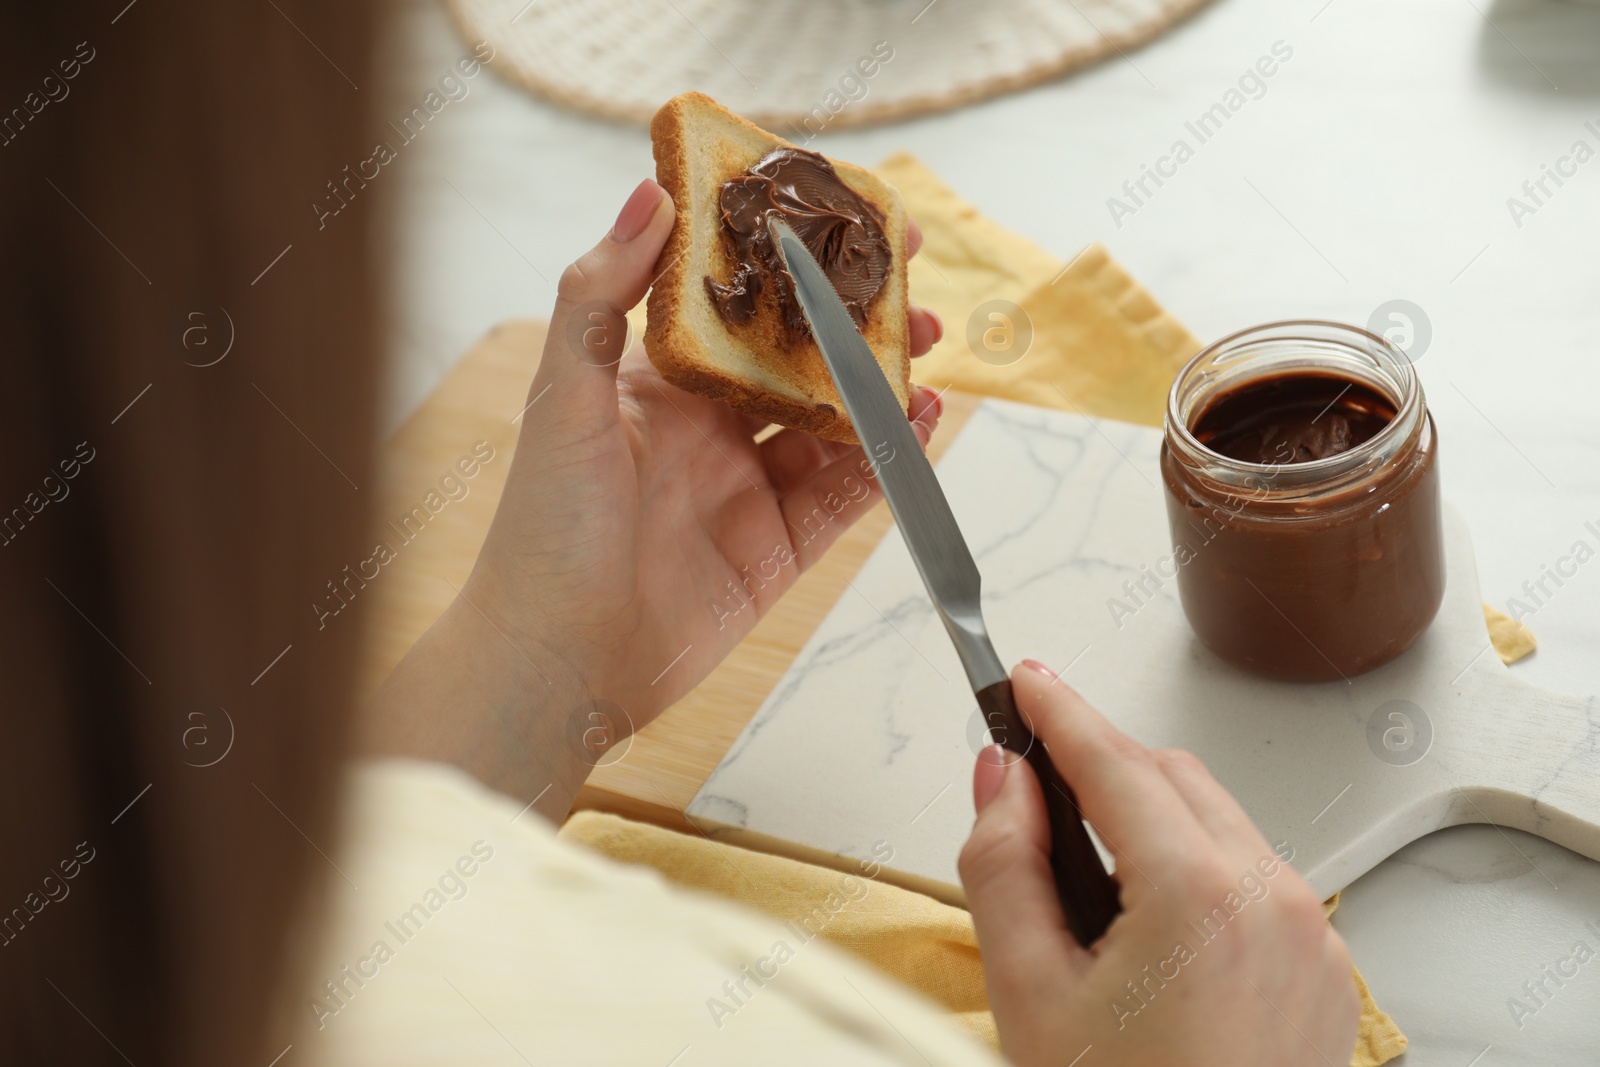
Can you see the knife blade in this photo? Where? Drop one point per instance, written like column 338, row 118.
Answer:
column 922, row 514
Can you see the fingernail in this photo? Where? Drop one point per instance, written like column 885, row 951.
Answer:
column 938, row 404
column 637, row 212
column 1034, row 664
column 988, row 776
column 938, row 325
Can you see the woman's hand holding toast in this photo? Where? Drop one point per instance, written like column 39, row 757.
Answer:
column 642, row 533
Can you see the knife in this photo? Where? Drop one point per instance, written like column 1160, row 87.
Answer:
column 1087, row 893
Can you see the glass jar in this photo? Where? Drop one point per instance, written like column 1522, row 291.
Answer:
column 1294, row 564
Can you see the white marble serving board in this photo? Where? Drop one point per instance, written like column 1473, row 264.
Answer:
column 871, row 734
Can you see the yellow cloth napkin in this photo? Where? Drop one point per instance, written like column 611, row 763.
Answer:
column 910, row 937
column 1379, row 1039
column 1512, row 638
column 1101, row 346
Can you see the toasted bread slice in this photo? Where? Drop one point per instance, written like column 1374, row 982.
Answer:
column 699, row 144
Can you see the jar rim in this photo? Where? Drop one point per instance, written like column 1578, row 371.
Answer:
column 1395, row 364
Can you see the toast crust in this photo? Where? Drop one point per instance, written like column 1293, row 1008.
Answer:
column 699, row 145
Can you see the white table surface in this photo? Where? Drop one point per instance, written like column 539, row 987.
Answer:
column 1376, row 166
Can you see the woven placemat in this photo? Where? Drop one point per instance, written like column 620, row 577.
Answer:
column 801, row 67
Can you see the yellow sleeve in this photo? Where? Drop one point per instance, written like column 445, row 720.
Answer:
column 462, row 931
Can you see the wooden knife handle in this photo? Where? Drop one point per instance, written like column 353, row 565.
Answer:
column 1088, row 895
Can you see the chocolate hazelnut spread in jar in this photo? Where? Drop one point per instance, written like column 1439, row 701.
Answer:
column 1302, row 483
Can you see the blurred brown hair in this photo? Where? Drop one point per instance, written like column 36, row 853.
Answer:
column 163, row 177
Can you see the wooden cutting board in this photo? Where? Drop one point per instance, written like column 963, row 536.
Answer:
column 477, row 402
